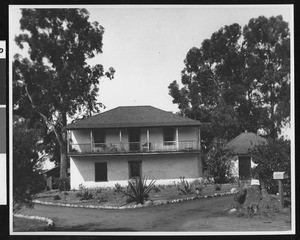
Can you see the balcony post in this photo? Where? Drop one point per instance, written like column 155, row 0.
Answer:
column 199, row 139
column 148, row 140
column 91, row 136
column 177, row 141
column 68, row 141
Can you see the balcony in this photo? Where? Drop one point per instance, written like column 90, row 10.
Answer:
column 133, row 147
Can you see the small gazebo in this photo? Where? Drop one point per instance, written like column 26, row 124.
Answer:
column 240, row 147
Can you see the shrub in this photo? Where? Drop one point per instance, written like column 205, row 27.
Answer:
column 56, row 197
column 63, row 184
column 156, row 189
column 184, row 187
column 199, row 185
column 117, row 188
column 138, row 190
column 86, row 195
column 272, row 157
column 218, row 187
column 102, row 199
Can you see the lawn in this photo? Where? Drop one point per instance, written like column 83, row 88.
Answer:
column 111, row 197
column 28, row 225
column 200, row 215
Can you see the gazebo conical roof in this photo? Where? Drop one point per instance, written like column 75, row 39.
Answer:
column 244, row 142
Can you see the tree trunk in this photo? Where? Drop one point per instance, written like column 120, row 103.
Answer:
column 63, row 148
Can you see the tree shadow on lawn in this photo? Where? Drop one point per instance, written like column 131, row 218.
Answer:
column 91, row 227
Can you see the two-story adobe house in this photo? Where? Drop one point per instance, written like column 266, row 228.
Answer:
column 127, row 142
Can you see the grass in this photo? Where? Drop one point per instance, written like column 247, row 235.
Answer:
column 200, row 215
column 111, row 197
column 22, row 224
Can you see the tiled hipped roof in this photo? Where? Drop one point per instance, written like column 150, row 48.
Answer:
column 245, row 142
column 133, row 116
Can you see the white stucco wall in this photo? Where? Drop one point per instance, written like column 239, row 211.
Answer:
column 164, row 168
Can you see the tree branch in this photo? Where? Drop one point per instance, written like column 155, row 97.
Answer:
column 48, row 123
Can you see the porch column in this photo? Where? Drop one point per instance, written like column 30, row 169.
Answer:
column 148, row 140
column 91, row 136
column 120, row 134
column 68, row 141
column 199, row 139
column 177, row 142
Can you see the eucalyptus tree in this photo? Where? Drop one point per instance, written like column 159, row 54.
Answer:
column 57, row 82
column 238, row 80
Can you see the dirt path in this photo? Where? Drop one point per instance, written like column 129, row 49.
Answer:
column 198, row 215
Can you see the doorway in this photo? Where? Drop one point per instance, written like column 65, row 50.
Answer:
column 134, row 139
column 244, row 167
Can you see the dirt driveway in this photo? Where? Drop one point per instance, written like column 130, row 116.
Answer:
column 199, row 215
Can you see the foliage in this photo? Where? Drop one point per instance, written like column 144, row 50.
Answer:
column 117, row 188
column 156, row 189
column 102, row 199
column 138, row 190
column 218, row 161
column 84, row 193
column 238, row 80
column 27, row 180
column 218, row 187
column 184, row 187
column 56, row 197
column 63, row 184
column 272, row 157
column 52, row 86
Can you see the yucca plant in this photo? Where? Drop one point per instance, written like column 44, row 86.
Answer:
column 138, row 190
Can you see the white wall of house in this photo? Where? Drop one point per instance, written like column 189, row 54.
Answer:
column 165, row 168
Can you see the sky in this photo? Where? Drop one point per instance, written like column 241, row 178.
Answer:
column 147, row 45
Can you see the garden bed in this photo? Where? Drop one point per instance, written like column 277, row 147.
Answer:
column 109, row 197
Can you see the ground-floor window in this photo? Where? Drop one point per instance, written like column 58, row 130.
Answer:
column 101, row 172
column 135, row 169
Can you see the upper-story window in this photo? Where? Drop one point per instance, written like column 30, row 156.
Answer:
column 169, row 136
column 99, row 136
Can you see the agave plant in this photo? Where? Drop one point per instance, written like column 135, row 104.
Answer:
column 138, row 190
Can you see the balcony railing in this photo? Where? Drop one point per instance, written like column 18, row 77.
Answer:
column 132, row 147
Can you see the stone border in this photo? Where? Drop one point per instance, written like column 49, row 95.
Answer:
column 148, row 203
column 48, row 220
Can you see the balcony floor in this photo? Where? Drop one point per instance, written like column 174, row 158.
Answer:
column 135, row 153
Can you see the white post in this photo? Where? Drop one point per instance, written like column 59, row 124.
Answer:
column 120, row 134
column 68, row 141
column 177, row 141
column 91, row 135
column 199, row 139
column 148, row 140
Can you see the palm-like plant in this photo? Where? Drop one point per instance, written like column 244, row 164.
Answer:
column 138, row 190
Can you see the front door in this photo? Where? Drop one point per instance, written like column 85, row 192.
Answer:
column 134, row 138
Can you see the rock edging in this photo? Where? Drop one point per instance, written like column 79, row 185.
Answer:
column 44, row 219
column 156, row 202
